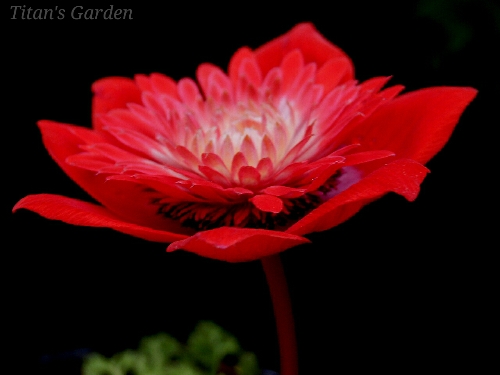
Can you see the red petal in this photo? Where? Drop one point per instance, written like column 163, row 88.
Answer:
column 284, row 191
column 401, row 176
column 238, row 244
column 111, row 93
column 127, row 200
column 334, row 72
column 293, row 62
column 189, row 93
column 314, row 48
column 157, row 83
column 367, row 156
column 265, row 168
column 203, row 73
column 136, row 118
column 238, row 162
column 215, row 162
column 250, row 71
column 76, row 212
column 161, row 84
column 249, row 176
column 249, row 150
column 215, row 83
column 214, row 176
column 415, row 125
column 267, row 203
column 236, row 61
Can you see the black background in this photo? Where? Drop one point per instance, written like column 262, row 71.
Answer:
column 400, row 286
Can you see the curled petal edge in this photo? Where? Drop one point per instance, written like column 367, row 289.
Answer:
column 124, row 199
column 76, row 212
column 233, row 244
column 429, row 116
column 402, row 176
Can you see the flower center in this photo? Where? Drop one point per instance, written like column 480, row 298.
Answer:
column 204, row 216
column 251, row 151
column 246, row 144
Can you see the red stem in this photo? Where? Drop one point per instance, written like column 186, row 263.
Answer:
column 282, row 313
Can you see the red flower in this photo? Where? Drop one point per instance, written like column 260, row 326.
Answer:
column 285, row 144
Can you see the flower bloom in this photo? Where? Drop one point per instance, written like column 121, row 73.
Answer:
column 243, row 164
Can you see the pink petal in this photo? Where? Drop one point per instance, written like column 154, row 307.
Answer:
column 136, row 118
column 265, row 168
column 213, row 175
column 237, row 163
column 249, row 176
column 219, row 87
column 236, row 62
column 214, row 161
column 238, row 244
column 189, row 93
column 250, row 70
column 189, row 159
column 249, row 150
column 268, row 149
column 272, row 85
column 141, row 143
column 203, row 72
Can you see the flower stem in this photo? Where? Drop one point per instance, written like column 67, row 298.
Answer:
column 282, row 313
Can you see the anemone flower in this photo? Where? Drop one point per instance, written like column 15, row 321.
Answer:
column 241, row 165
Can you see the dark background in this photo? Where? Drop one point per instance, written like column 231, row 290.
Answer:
column 400, row 286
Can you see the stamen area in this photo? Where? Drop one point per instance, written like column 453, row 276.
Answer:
column 204, row 216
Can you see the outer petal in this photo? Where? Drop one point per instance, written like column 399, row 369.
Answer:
column 415, row 125
column 76, row 212
column 314, row 48
column 334, row 72
column 111, row 93
column 238, row 244
column 127, row 200
column 401, row 176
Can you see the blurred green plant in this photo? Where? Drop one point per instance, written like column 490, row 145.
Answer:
column 209, row 350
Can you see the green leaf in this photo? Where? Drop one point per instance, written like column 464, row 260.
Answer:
column 209, row 344
column 162, row 354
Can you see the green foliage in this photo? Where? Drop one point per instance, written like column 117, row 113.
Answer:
column 208, row 351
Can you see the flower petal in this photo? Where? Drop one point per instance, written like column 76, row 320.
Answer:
column 111, row 93
column 76, row 212
column 127, row 200
column 314, row 48
column 236, row 61
column 415, row 125
column 215, row 83
column 238, row 244
column 334, row 72
column 267, row 203
column 402, row 176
